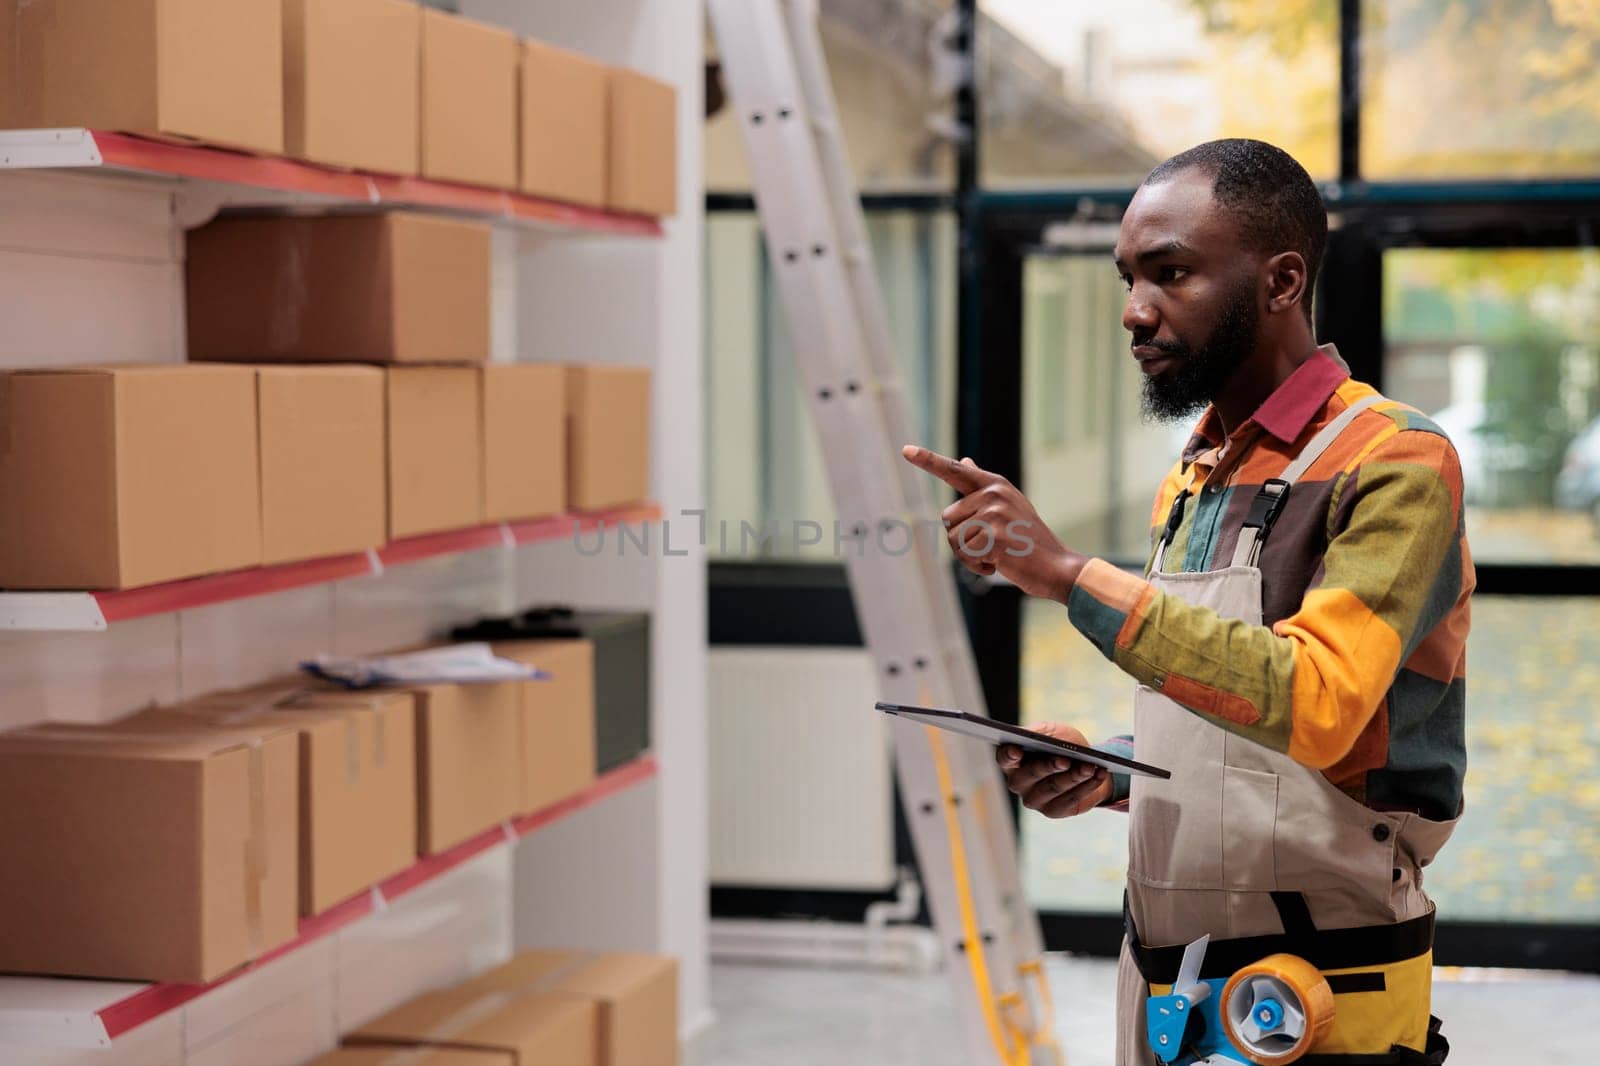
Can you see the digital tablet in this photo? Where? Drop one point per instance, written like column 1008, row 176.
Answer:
column 992, row 732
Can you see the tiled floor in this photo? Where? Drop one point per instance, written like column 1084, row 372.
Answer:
column 773, row 1016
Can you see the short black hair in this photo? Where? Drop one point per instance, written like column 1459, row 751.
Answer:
column 1274, row 200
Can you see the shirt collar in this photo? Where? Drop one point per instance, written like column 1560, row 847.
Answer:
column 1291, row 407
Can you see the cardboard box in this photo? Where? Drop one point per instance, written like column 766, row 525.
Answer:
column 146, row 855
column 351, row 79
column 564, row 123
column 358, row 777
column 558, row 732
column 412, row 1055
column 608, row 436
column 469, row 767
column 533, row 1028
column 642, row 172
column 114, row 477
column 324, row 487
column 469, row 101
column 637, row 997
column 524, row 441
column 204, row 70
column 435, row 450
column 384, row 288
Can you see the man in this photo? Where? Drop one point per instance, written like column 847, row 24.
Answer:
column 1298, row 640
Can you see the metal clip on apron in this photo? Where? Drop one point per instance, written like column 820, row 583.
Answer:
column 1248, row 846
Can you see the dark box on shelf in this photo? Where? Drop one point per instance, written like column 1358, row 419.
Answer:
column 394, row 287
column 621, row 669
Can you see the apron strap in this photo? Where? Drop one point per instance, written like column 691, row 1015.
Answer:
column 1174, row 520
column 1362, row 947
column 1268, row 502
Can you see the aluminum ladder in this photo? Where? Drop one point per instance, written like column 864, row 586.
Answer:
column 892, row 539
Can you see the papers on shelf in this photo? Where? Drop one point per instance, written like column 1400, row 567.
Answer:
column 455, row 664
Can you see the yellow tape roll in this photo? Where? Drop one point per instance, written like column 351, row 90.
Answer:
column 1277, row 1009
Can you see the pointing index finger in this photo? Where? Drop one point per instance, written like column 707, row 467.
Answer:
column 963, row 477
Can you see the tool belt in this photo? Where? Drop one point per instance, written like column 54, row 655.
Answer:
column 1367, row 959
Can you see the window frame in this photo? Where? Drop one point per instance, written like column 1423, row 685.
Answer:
column 996, row 231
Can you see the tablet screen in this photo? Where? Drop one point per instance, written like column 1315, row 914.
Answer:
column 992, row 732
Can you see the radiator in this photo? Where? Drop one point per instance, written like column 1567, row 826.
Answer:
column 801, row 793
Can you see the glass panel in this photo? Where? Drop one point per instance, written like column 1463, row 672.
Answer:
column 1517, row 80
column 1528, row 847
column 763, row 463
column 896, row 115
column 1499, row 348
column 1074, row 91
column 1091, row 463
column 1078, row 864
column 1091, row 467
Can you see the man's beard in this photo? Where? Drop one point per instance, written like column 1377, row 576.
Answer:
column 1202, row 371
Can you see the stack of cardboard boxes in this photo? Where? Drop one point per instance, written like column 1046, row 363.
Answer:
column 376, row 85
column 183, row 841
column 340, row 398
column 542, row 1008
column 115, row 477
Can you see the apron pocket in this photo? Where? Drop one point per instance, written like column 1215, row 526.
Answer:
column 1249, row 817
column 1329, row 842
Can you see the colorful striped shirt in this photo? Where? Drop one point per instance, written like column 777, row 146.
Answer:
column 1359, row 668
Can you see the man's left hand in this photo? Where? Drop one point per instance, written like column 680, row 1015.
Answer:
column 994, row 529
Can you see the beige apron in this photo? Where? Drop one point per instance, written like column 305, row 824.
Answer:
column 1239, row 822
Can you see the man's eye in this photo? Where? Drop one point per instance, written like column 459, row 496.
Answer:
column 1170, row 274
column 1127, row 281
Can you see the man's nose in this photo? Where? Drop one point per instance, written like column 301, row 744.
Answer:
column 1138, row 315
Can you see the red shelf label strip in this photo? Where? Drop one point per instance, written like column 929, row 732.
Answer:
column 206, row 163
column 429, row 545
column 121, row 605
column 233, row 585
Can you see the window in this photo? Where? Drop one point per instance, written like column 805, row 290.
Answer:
column 1528, row 847
column 765, row 470
column 1080, row 864
column 1500, row 348
column 894, row 102
column 1102, row 92
column 1091, row 463
column 1519, row 79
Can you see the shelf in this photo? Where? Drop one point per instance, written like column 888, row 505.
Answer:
column 222, row 178
column 66, row 1012
column 88, row 611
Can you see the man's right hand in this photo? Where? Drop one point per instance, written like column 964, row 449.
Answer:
column 1055, row 786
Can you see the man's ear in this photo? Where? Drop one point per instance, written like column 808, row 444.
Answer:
column 1286, row 282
